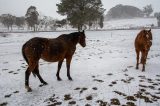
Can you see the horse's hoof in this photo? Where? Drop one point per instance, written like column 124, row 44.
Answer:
column 28, row 89
column 70, row 79
column 59, row 79
column 45, row 83
column 137, row 68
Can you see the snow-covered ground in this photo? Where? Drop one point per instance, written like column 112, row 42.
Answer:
column 103, row 72
column 130, row 23
column 112, row 24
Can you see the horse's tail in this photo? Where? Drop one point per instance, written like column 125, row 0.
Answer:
column 23, row 53
column 25, row 58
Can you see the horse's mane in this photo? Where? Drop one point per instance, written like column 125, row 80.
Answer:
column 71, row 36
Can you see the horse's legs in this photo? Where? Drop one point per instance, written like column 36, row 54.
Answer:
column 58, row 70
column 30, row 68
column 27, row 74
column 143, row 60
column 68, row 61
column 36, row 71
column 137, row 65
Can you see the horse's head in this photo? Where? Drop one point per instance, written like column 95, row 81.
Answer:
column 82, row 39
column 148, row 34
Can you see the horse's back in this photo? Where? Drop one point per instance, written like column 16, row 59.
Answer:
column 139, row 41
column 34, row 47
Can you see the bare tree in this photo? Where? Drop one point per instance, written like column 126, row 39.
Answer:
column 7, row 20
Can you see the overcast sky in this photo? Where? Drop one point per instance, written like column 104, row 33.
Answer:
column 49, row 8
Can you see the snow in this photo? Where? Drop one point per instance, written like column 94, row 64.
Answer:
column 130, row 23
column 108, row 59
column 112, row 24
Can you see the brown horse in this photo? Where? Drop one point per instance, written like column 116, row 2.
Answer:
column 51, row 50
column 143, row 42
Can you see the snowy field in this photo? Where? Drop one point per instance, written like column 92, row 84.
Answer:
column 130, row 23
column 103, row 73
column 111, row 24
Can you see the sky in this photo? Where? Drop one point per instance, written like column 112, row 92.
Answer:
column 49, row 8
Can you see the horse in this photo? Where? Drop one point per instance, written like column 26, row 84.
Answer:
column 142, row 43
column 50, row 50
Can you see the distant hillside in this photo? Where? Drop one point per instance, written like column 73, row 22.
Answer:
column 123, row 11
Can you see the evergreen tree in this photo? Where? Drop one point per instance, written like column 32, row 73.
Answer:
column 32, row 17
column 81, row 12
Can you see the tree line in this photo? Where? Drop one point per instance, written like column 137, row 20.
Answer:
column 80, row 14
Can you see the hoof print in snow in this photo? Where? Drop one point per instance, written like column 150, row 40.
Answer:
column 130, row 66
column 120, row 93
column 98, row 80
column 156, row 97
column 131, row 98
column 55, row 104
column 143, row 86
column 155, row 84
column 157, row 75
column 125, row 74
column 10, row 72
column 67, row 97
column 125, row 70
column 4, row 104
column 102, row 103
column 89, row 97
column 142, row 77
column 115, row 101
column 77, row 88
column 141, row 81
column 109, row 74
column 72, row 102
column 93, row 76
column 142, row 90
column 8, row 96
column 15, row 73
column 16, row 92
column 94, row 88
column 151, row 87
column 87, row 105
column 110, row 85
column 4, row 69
column 83, row 89
column 130, row 104
column 145, row 98
column 157, row 79
column 114, row 82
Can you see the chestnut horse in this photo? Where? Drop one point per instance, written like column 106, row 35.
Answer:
column 143, row 42
column 51, row 50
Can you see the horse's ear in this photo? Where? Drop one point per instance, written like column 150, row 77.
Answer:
column 83, row 31
column 144, row 31
column 149, row 30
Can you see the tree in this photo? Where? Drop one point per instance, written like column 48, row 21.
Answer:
column 101, row 21
column 32, row 17
column 80, row 12
column 19, row 21
column 147, row 10
column 157, row 15
column 61, row 23
column 8, row 20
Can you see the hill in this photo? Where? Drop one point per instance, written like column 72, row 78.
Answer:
column 123, row 12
